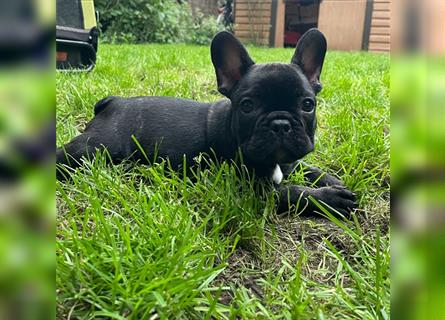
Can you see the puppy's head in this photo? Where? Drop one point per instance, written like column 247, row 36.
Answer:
column 273, row 116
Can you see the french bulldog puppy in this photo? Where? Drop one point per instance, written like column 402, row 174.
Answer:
column 269, row 117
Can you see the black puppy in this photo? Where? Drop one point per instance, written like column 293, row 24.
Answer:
column 269, row 117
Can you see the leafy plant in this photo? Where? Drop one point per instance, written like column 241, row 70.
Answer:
column 162, row 21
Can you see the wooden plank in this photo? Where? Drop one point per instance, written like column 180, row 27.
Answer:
column 379, row 46
column 247, row 20
column 381, row 15
column 380, row 38
column 380, row 30
column 255, row 13
column 252, row 6
column 250, row 35
column 380, row 51
column 376, row 51
column 343, row 22
column 258, row 14
column 254, row 27
column 252, row 11
column 380, row 23
column 279, row 24
column 237, row 2
column 382, row 6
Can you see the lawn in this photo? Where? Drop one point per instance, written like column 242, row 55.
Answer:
column 146, row 243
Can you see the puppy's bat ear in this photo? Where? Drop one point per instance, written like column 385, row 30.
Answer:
column 309, row 56
column 230, row 59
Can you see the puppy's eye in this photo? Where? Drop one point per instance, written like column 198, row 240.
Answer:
column 308, row 105
column 246, row 105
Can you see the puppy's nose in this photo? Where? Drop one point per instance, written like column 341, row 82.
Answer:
column 281, row 126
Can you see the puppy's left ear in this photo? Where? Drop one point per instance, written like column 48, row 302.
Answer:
column 230, row 59
column 309, row 56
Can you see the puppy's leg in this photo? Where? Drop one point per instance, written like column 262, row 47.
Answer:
column 337, row 197
column 318, row 177
column 328, row 189
column 314, row 175
column 70, row 155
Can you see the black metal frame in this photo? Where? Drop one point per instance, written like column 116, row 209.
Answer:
column 80, row 45
column 85, row 49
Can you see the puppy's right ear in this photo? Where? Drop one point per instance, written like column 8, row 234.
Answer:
column 230, row 59
column 309, row 55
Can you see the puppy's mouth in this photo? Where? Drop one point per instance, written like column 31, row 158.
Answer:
column 278, row 137
column 278, row 151
column 285, row 153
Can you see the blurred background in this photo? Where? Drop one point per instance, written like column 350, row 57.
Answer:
column 418, row 159
column 27, row 141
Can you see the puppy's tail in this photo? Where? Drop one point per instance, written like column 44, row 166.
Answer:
column 102, row 104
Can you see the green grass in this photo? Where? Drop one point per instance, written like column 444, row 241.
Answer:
column 146, row 243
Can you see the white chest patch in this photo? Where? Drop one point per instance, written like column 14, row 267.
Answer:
column 277, row 175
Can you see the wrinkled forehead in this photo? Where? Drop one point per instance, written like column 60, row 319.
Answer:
column 275, row 79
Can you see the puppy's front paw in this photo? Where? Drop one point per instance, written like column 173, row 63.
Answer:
column 338, row 198
column 328, row 180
